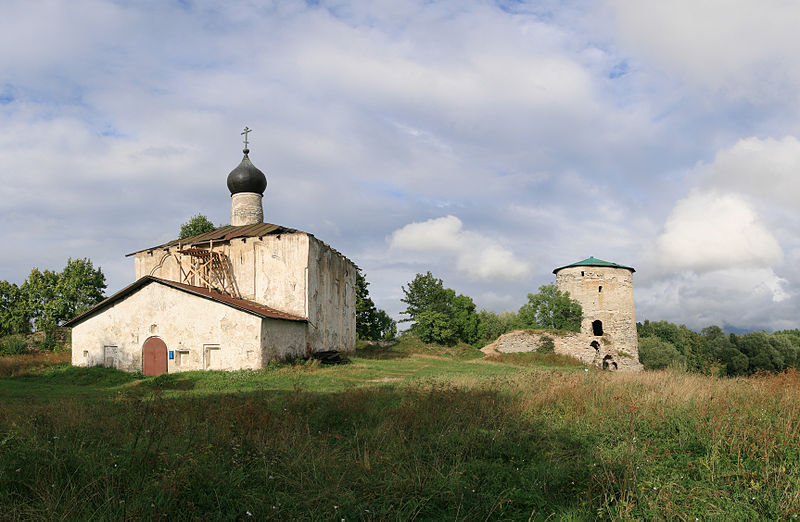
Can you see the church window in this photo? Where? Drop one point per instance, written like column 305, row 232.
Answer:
column 211, row 357
column 181, row 357
column 597, row 327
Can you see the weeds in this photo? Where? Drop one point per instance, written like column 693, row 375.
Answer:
column 294, row 442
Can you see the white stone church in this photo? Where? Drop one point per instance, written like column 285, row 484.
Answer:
column 234, row 298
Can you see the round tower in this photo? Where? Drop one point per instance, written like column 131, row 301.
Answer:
column 247, row 184
column 605, row 292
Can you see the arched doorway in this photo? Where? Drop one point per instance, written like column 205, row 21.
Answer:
column 154, row 357
column 597, row 327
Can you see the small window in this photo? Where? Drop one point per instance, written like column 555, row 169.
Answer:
column 599, row 289
column 86, row 353
column 582, row 273
column 181, row 357
column 595, row 345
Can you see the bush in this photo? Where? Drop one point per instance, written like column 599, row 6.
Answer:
column 13, row 345
column 656, row 354
column 547, row 345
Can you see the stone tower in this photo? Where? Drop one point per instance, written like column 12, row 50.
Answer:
column 247, row 185
column 605, row 291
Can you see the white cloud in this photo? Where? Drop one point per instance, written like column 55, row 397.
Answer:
column 767, row 168
column 479, row 257
column 709, row 231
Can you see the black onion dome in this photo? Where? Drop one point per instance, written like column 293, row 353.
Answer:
column 246, row 177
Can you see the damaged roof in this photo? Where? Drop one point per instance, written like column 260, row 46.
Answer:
column 225, row 233
column 251, row 307
column 228, row 232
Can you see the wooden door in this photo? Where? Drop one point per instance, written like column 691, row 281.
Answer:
column 155, row 357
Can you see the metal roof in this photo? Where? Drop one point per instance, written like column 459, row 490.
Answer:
column 225, row 233
column 265, row 312
column 593, row 261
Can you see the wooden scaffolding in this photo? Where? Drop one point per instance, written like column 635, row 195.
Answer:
column 208, row 269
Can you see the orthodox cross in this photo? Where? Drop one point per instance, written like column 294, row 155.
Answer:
column 244, row 132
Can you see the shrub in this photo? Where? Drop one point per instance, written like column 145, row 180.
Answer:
column 547, row 345
column 13, row 345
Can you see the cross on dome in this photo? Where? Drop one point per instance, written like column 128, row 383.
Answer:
column 244, row 133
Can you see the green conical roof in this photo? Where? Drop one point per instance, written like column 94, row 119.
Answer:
column 593, row 261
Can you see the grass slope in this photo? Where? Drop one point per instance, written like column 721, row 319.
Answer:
column 397, row 435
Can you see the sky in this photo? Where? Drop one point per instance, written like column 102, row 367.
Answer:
column 486, row 142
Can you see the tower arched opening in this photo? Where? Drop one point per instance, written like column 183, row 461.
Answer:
column 597, row 327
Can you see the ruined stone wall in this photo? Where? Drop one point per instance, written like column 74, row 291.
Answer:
column 578, row 345
column 202, row 334
column 332, row 299
column 606, row 295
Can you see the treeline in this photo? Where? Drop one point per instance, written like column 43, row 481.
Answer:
column 663, row 344
column 47, row 298
column 439, row 315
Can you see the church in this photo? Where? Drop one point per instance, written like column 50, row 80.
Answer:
column 234, row 298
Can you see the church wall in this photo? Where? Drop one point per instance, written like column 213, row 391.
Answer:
column 331, row 294
column 157, row 263
column 606, row 294
column 271, row 270
column 201, row 333
column 282, row 339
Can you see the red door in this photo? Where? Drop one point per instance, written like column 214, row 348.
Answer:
column 155, row 357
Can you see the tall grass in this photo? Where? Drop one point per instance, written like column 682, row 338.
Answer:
column 531, row 444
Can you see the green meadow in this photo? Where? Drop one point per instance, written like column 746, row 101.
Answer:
column 407, row 432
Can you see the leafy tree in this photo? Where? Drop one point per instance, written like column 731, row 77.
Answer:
column 551, row 308
column 437, row 327
column 424, row 293
column 197, row 225
column 438, row 314
column 54, row 297
column 40, row 292
column 492, row 325
column 371, row 324
column 14, row 315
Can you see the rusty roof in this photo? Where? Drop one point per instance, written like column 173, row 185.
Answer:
column 224, row 234
column 251, row 307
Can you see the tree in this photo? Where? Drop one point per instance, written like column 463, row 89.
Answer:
column 424, row 293
column 199, row 224
column 552, row 309
column 492, row 325
column 371, row 324
column 438, row 314
column 54, row 297
column 14, row 316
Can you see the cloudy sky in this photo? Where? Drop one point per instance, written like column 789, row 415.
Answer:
column 487, row 142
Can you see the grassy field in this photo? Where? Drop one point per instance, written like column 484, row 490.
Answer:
column 412, row 432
